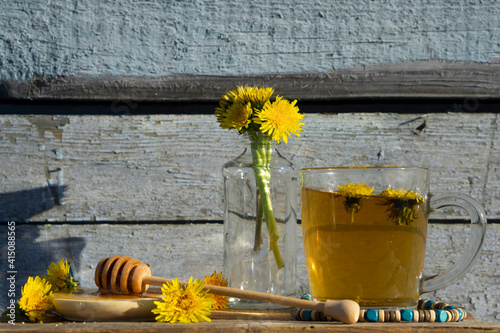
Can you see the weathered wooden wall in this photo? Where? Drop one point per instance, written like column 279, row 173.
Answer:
column 163, row 38
column 84, row 173
column 168, row 167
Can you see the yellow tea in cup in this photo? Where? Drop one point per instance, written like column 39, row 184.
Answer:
column 365, row 232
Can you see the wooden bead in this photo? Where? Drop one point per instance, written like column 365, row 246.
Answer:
column 381, row 316
column 387, row 316
column 443, row 306
column 421, row 316
column 415, row 316
column 430, row 316
column 398, row 316
column 361, row 315
column 453, row 314
column 315, row 315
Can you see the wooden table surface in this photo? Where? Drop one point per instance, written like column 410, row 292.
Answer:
column 254, row 321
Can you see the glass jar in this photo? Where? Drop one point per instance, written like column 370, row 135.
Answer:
column 260, row 223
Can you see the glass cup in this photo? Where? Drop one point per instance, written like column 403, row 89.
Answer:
column 365, row 232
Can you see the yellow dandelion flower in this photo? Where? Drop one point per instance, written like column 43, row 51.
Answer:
column 217, row 280
column 249, row 110
column 187, row 304
column 237, row 116
column 402, row 194
column 243, row 95
column 402, row 205
column 353, row 193
column 236, row 106
column 58, row 276
column 35, row 298
column 280, row 119
column 355, row 190
column 258, row 97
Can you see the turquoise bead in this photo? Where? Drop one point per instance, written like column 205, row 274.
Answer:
column 428, row 305
column 306, row 314
column 371, row 315
column 441, row 316
column 407, row 315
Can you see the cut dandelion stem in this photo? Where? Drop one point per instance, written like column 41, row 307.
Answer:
column 258, row 228
column 249, row 110
column 261, row 153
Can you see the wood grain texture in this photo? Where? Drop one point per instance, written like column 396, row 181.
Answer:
column 184, row 250
column 168, row 167
column 254, row 321
column 422, row 79
column 227, row 38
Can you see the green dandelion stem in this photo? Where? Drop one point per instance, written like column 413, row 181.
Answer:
column 258, row 227
column 261, row 153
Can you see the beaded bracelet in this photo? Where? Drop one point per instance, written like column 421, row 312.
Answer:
column 427, row 311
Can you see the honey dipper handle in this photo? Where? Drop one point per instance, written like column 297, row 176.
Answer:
column 346, row 311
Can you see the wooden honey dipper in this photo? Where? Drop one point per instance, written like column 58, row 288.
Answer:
column 124, row 275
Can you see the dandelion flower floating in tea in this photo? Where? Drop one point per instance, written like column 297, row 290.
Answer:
column 353, row 194
column 402, row 205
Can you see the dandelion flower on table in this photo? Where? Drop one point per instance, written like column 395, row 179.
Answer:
column 58, row 276
column 217, row 280
column 35, row 298
column 183, row 304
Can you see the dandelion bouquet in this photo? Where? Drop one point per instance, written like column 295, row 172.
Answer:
column 250, row 111
column 35, row 303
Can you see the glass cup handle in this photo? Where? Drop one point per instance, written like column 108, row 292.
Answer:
column 475, row 243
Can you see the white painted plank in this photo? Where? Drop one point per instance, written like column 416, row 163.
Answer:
column 161, row 38
column 168, row 167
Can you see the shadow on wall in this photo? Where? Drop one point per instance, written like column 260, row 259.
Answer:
column 21, row 206
column 33, row 251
